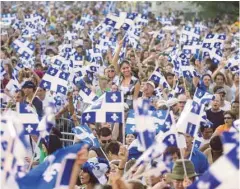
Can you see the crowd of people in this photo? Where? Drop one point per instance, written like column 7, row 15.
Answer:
column 130, row 72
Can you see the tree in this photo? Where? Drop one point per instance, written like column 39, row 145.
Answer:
column 211, row 9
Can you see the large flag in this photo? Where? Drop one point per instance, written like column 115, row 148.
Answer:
column 55, row 80
column 189, row 121
column 158, row 78
column 46, row 175
column 130, row 127
column 84, row 133
column 108, row 108
column 28, row 117
column 223, row 173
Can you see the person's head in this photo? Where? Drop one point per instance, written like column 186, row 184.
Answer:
column 177, row 174
column 148, row 88
column 170, row 78
column 229, row 118
column 219, row 79
column 152, row 180
column 216, row 102
column 105, row 136
column 54, row 143
column 236, row 78
column 112, row 150
column 39, row 67
column 94, row 171
column 173, row 152
column 19, row 96
column 189, row 141
column 206, row 78
column 220, row 91
column 169, row 68
column 130, row 138
column 111, row 72
column 182, row 99
column 206, row 132
column 41, row 93
column 125, row 68
column 216, row 144
column 235, row 107
column 173, row 104
column 114, row 87
column 28, row 88
column 135, row 184
column 103, row 82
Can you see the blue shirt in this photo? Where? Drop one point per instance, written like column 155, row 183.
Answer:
column 199, row 161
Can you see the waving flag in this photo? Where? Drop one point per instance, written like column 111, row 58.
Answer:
column 222, row 174
column 8, row 18
column 144, row 124
column 214, row 40
column 158, row 78
column 87, row 95
column 23, row 47
column 233, row 64
column 46, row 124
column 202, row 97
column 189, row 121
column 55, row 80
column 48, row 174
column 193, row 34
column 70, row 36
column 84, row 133
column 108, row 108
column 130, row 127
column 28, row 117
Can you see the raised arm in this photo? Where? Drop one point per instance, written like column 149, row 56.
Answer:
column 116, row 56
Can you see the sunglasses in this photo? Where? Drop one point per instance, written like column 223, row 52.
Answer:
column 106, row 141
column 182, row 102
column 227, row 118
column 111, row 71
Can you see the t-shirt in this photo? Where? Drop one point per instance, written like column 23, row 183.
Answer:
column 216, row 118
column 222, row 128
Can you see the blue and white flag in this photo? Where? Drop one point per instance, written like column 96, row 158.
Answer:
column 55, row 80
column 164, row 20
column 108, row 108
column 8, row 18
column 158, row 78
column 144, row 123
column 222, row 174
column 130, row 127
column 23, row 47
column 233, row 64
column 46, row 124
column 189, row 121
column 202, row 97
column 192, row 34
column 84, row 133
column 70, row 36
column 213, row 40
column 28, row 117
column 87, row 95
column 48, row 174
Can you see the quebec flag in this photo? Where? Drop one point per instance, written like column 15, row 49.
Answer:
column 130, row 127
column 108, row 108
column 84, row 133
column 202, row 97
column 28, row 117
column 87, row 95
column 23, row 47
column 49, row 174
column 55, row 80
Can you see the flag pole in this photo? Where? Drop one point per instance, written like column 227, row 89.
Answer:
column 190, row 156
column 34, row 95
column 181, row 149
column 34, row 152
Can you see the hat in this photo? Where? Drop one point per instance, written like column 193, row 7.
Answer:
column 151, row 83
column 28, row 84
column 221, row 90
column 172, row 101
column 97, row 168
column 178, row 170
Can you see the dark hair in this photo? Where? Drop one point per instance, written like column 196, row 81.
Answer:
column 216, row 88
column 169, row 74
column 202, row 128
column 206, row 75
column 172, row 150
column 216, row 143
column 20, row 91
column 213, row 66
column 125, row 62
column 93, row 179
column 230, row 113
column 235, row 101
column 54, row 144
column 113, row 147
column 104, row 132
column 221, row 74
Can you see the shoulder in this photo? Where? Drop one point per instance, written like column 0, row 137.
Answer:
column 199, row 154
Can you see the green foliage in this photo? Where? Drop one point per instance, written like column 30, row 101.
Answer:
column 211, row 9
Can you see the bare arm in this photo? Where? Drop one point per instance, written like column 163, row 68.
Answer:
column 136, row 90
column 116, row 56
